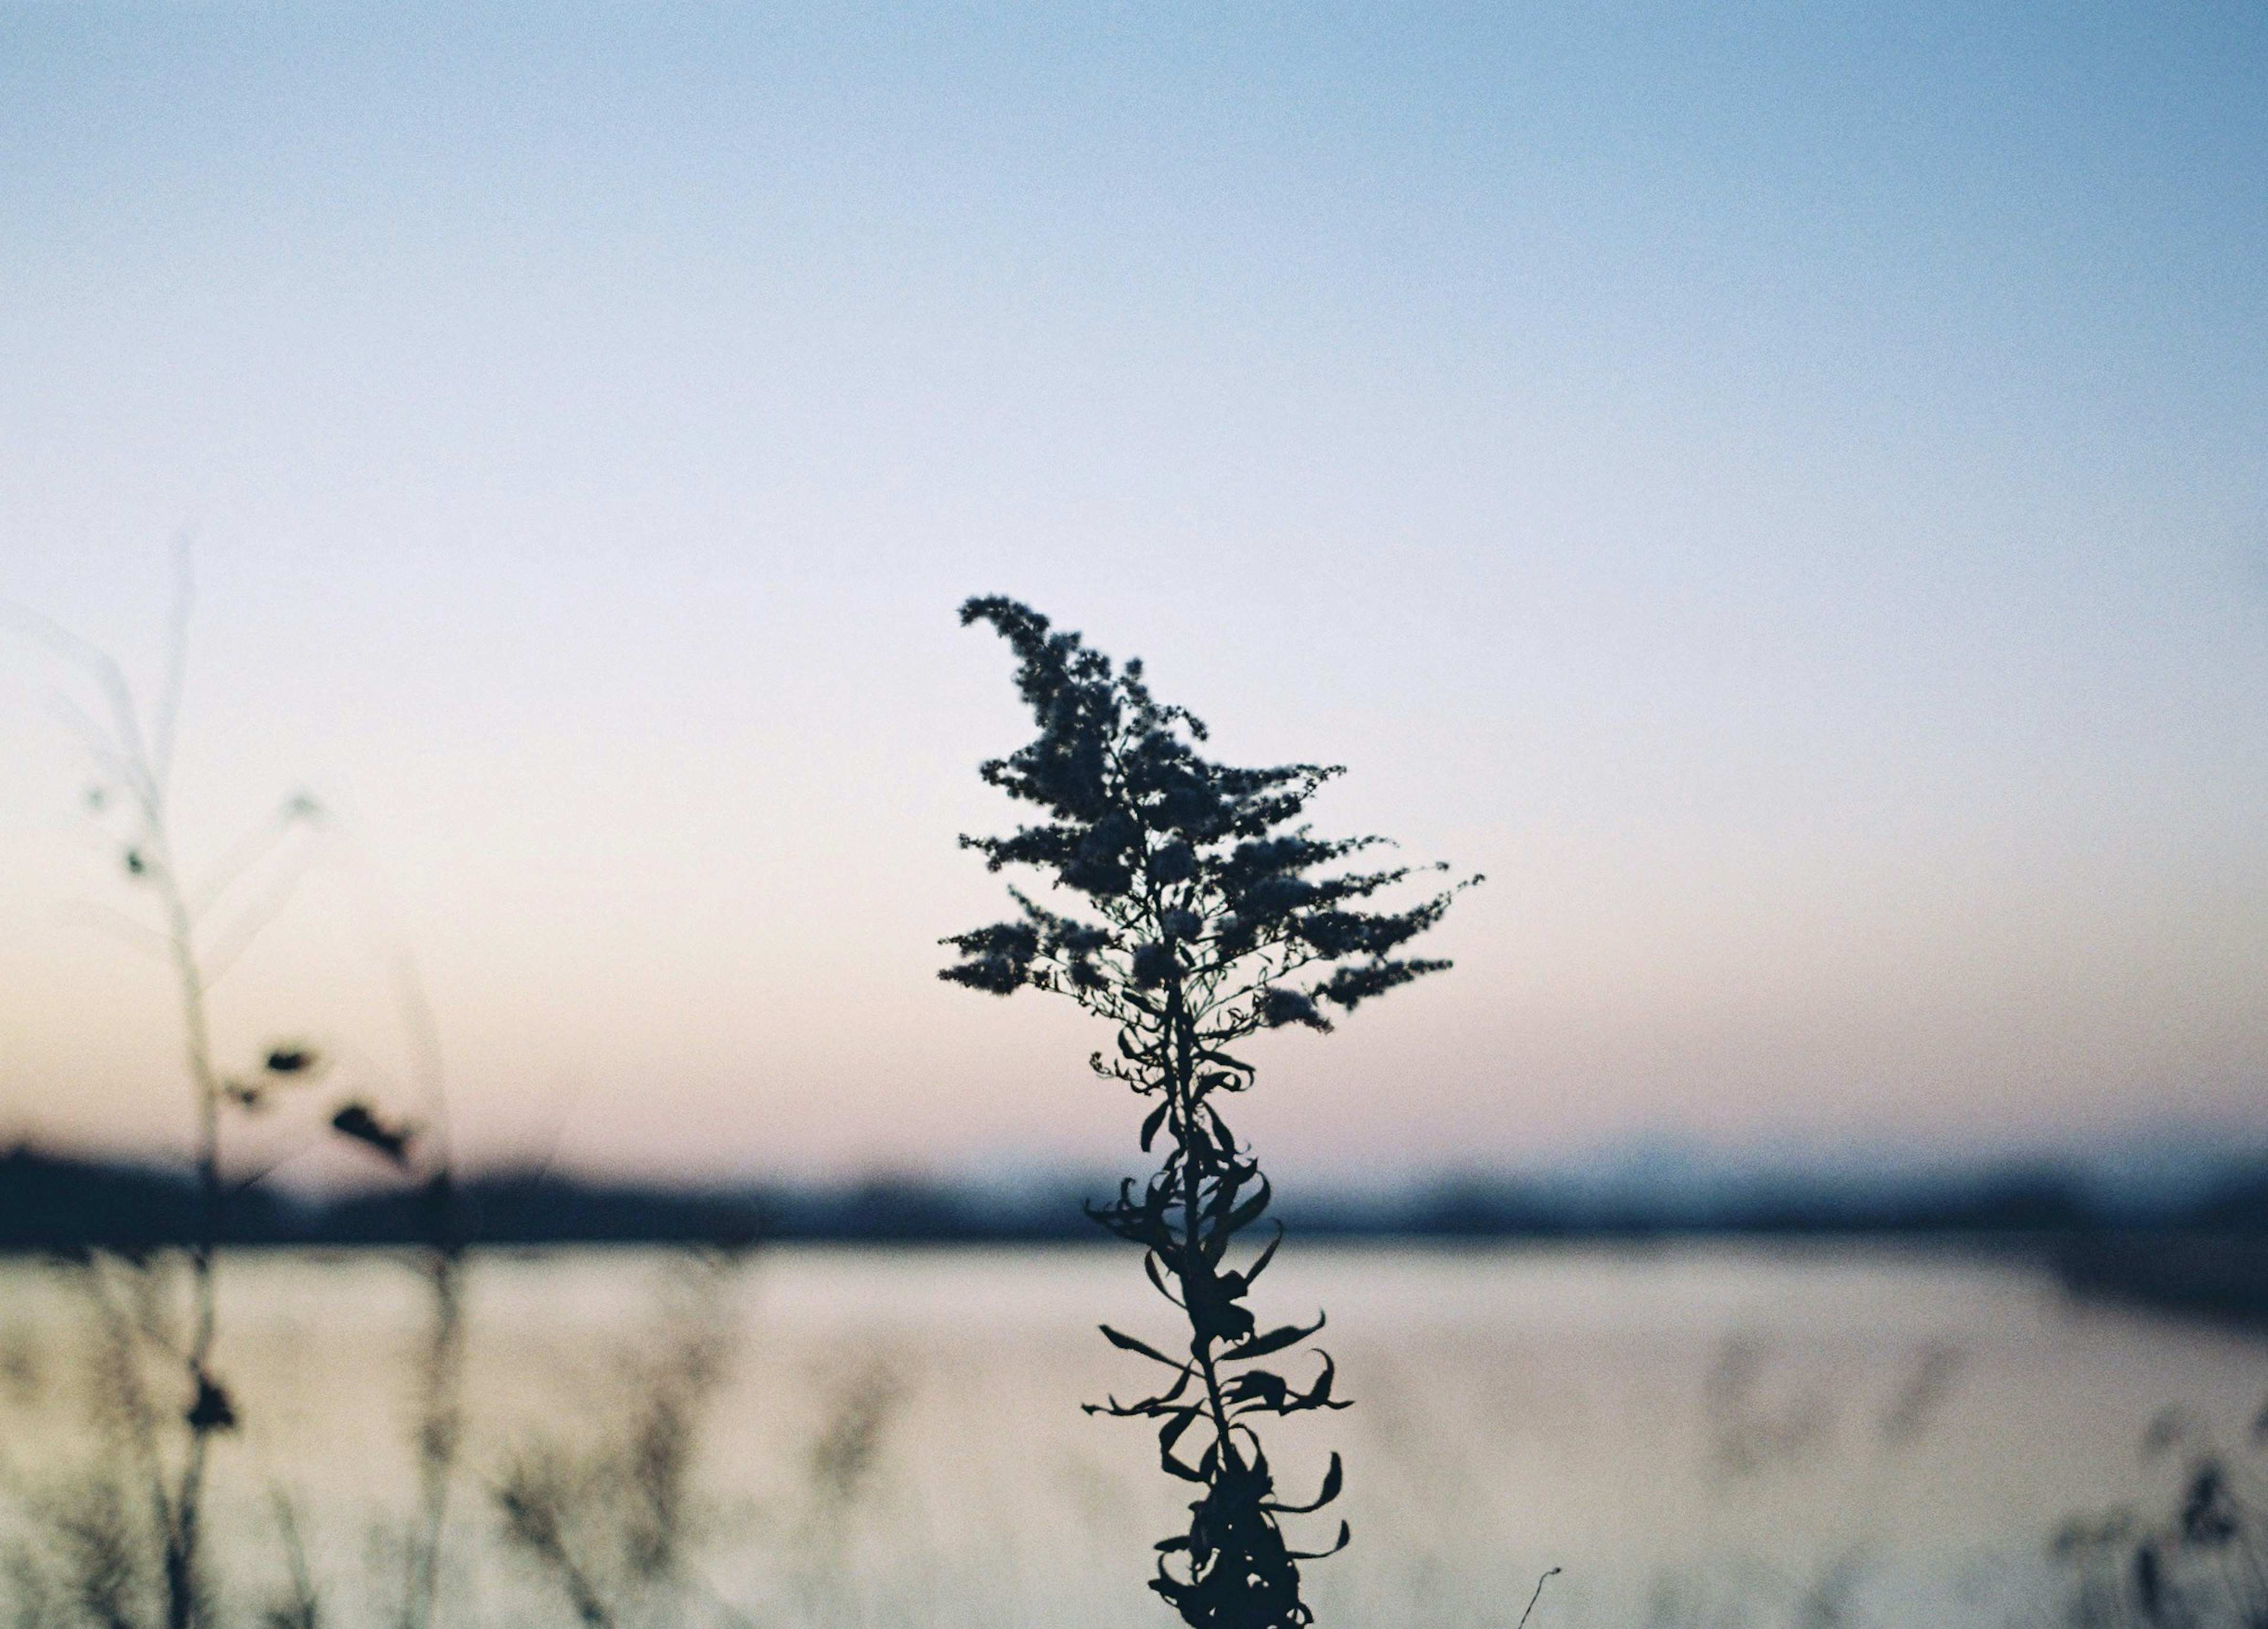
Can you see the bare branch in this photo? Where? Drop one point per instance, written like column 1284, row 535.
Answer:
column 96, row 743
column 117, row 925
column 241, row 860
column 215, row 964
column 168, row 716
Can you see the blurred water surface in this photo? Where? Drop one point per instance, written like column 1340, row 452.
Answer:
column 1702, row 1433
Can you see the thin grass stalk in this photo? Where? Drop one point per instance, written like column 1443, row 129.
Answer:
column 440, row 1378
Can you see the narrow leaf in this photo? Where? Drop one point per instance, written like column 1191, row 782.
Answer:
column 1128, row 1343
column 1345, row 1534
column 1150, row 1126
column 1334, row 1479
column 1274, row 1340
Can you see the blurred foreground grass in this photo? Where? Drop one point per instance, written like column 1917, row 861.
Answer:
column 1715, row 1434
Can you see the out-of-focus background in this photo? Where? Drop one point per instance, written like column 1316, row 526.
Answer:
column 1776, row 488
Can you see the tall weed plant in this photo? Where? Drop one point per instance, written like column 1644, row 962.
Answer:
column 1198, row 911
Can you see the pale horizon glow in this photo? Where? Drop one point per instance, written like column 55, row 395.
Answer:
column 1781, row 491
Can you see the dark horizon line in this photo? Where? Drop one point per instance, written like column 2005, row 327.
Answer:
column 51, row 1201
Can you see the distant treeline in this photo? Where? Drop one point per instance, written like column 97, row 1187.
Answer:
column 50, row 1201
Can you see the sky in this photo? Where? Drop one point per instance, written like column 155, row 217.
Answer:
column 1778, row 488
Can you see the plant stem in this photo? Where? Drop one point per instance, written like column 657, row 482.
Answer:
column 440, row 1422
column 439, row 1425
column 1551, row 1573
column 1181, row 1084
column 182, row 1538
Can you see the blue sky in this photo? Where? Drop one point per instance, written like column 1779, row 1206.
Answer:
column 1777, row 488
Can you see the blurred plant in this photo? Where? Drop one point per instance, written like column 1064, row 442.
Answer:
column 2202, row 1564
column 842, row 1468
column 297, row 1606
column 100, row 1555
column 844, row 1454
column 1752, row 1430
column 91, row 1551
column 1212, row 914
column 132, row 746
column 421, row 1155
column 439, row 1431
column 610, row 1520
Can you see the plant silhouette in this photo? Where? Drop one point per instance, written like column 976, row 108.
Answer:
column 2201, row 1565
column 168, row 1438
column 1210, row 913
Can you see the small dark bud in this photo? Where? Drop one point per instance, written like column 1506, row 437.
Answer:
column 390, row 1143
column 292, row 1059
column 212, row 1411
column 136, row 865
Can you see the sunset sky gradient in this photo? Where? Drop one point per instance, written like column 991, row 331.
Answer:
column 1778, row 488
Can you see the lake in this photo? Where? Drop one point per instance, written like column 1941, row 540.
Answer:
column 1696, row 1433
